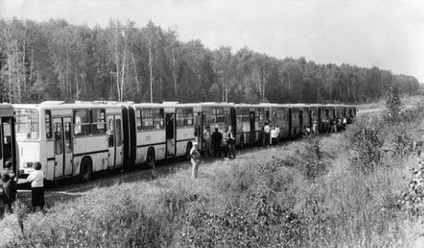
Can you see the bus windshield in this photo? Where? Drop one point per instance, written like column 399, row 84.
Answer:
column 27, row 124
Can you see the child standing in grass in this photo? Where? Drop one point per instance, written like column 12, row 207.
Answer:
column 195, row 160
column 36, row 178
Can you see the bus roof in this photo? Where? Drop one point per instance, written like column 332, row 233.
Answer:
column 301, row 105
column 66, row 106
column 216, row 104
column 249, row 105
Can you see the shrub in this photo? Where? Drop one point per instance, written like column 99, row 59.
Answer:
column 313, row 166
column 393, row 105
column 237, row 178
column 264, row 224
column 412, row 199
column 313, row 147
column 101, row 222
column 367, row 143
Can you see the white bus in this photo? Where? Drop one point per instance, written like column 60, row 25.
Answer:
column 8, row 148
column 81, row 138
column 69, row 139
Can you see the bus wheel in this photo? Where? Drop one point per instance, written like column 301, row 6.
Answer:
column 189, row 146
column 151, row 160
column 86, row 170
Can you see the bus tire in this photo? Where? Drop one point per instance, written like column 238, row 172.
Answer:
column 86, row 170
column 150, row 158
column 188, row 148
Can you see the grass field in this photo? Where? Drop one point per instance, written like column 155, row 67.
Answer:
column 343, row 190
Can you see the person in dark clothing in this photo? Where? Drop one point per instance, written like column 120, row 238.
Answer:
column 9, row 186
column 216, row 142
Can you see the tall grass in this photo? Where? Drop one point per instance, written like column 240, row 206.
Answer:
column 305, row 194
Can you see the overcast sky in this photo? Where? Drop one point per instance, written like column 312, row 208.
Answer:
column 388, row 34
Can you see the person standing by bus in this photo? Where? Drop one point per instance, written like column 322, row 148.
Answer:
column 207, row 140
column 274, row 136
column 267, row 131
column 277, row 130
column 216, row 142
column 195, row 160
column 36, row 178
column 9, row 187
column 315, row 128
column 231, row 143
column 225, row 141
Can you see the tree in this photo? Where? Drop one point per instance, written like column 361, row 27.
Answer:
column 56, row 60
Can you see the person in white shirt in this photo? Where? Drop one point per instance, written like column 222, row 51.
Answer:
column 277, row 129
column 195, row 160
column 36, row 178
column 315, row 128
column 274, row 136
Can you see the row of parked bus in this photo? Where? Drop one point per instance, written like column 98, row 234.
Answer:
column 77, row 139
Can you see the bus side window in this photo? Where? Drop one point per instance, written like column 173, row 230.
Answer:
column 7, row 140
column 118, row 133
column 48, row 124
column 81, row 122
column 98, row 121
column 110, row 132
column 138, row 119
column 7, row 147
column 58, row 139
column 68, row 143
column 77, row 125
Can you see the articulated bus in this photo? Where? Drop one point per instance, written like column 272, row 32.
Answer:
column 82, row 138
column 75, row 140
column 8, row 147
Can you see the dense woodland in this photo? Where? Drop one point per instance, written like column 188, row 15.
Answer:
column 56, row 60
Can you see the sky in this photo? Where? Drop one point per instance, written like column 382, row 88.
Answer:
column 388, row 34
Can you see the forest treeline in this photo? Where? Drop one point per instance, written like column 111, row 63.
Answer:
column 56, row 60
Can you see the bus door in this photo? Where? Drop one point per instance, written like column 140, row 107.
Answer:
column 170, row 135
column 63, row 147
column 319, row 117
column 7, row 138
column 301, row 119
column 290, row 123
column 311, row 118
column 234, row 122
column 198, row 129
column 114, row 131
column 252, row 127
